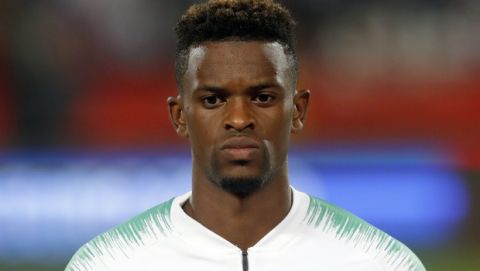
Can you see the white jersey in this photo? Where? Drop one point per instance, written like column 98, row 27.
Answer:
column 313, row 236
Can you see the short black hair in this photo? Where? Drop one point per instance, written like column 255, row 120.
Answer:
column 234, row 20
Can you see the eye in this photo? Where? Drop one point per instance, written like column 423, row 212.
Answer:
column 211, row 101
column 263, row 99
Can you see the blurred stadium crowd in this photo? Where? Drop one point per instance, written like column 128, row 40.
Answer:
column 83, row 72
column 95, row 74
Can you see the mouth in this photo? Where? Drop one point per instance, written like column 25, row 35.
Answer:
column 240, row 143
column 240, row 148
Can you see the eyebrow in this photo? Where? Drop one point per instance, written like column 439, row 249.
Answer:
column 257, row 88
column 212, row 89
column 251, row 89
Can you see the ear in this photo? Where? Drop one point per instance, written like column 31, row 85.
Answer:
column 300, row 102
column 177, row 117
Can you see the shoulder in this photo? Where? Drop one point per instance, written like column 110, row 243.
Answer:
column 124, row 240
column 355, row 234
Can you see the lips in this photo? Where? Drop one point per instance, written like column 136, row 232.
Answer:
column 240, row 149
column 240, row 143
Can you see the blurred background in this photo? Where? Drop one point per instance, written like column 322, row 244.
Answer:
column 393, row 132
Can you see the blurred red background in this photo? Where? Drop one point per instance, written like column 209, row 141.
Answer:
column 96, row 75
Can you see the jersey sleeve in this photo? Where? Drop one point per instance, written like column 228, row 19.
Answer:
column 385, row 251
column 110, row 249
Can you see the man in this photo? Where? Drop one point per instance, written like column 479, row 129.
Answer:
column 236, row 71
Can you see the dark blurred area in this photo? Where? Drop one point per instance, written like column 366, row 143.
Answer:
column 87, row 73
column 95, row 75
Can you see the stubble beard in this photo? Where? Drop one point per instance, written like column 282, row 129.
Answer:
column 240, row 186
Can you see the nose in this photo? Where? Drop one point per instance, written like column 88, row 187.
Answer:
column 238, row 115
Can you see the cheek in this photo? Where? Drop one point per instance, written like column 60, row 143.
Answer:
column 278, row 122
column 276, row 131
column 201, row 130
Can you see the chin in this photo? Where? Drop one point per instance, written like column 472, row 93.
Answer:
column 242, row 186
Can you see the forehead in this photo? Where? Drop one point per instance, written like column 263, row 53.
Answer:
column 222, row 63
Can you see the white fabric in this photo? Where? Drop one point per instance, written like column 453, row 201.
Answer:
column 297, row 243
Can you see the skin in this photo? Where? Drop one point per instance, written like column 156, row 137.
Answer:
column 238, row 107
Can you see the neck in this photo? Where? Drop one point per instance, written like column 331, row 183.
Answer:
column 241, row 221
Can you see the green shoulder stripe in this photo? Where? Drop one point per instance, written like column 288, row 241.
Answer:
column 352, row 230
column 149, row 225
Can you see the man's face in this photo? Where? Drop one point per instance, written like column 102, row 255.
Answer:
column 238, row 109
